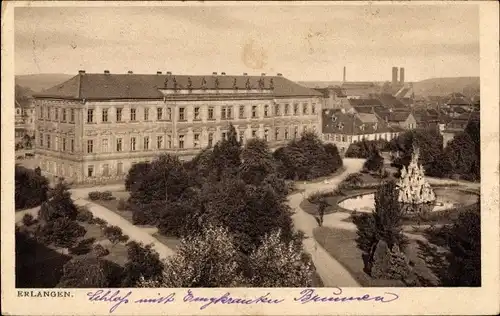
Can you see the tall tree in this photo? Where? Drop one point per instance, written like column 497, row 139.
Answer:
column 142, row 261
column 257, row 162
column 59, row 205
column 31, row 188
column 226, row 158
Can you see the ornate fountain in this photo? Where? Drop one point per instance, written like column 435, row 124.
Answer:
column 414, row 192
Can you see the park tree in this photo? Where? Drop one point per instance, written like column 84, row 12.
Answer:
column 464, row 242
column 31, row 188
column 62, row 232
column 461, row 155
column 59, row 205
column 257, row 162
column 276, row 263
column 142, row 260
column 226, row 155
column 136, row 174
column 113, row 233
column 375, row 162
column 205, row 260
column 89, row 271
column 249, row 212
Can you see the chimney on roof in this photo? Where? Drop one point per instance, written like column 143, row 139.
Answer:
column 245, row 74
column 158, row 72
column 343, row 78
column 223, row 73
column 106, row 72
column 214, row 73
column 130, row 72
column 169, row 73
column 280, row 74
column 81, row 72
column 401, row 75
column 394, row 75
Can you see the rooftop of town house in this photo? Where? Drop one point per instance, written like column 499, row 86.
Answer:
column 104, row 86
column 336, row 121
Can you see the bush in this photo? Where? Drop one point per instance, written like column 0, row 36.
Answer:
column 103, row 196
column 31, row 188
column 83, row 247
column 60, row 205
column 113, row 233
column 28, row 220
column 84, row 215
column 100, row 221
column 124, row 238
column 100, row 251
column 122, row 205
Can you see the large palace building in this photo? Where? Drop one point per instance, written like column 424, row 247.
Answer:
column 94, row 127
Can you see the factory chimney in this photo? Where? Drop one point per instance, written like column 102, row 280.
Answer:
column 401, row 75
column 344, row 74
column 394, row 76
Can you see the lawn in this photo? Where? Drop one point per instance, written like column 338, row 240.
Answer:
column 341, row 245
column 112, row 205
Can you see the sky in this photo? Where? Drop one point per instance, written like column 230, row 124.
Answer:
column 303, row 42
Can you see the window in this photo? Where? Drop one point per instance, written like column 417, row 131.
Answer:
column 337, row 138
column 277, row 109
column 72, row 116
column 56, row 114
column 169, row 114
column 132, row 114
column 48, row 142
column 41, row 139
column 105, row 170
column 196, row 140
column 266, row 135
column 146, row 114
column 295, row 132
column 132, row 143
column 64, row 144
column 210, row 113
column 223, row 113
column 181, row 114
column 295, row 109
column 146, row 143
column 104, row 145
column 90, row 146
column 277, row 133
column 313, row 108
column 159, row 142
column 72, row 145
column 266, row 110
column 169, row 141
column 304, row 108
column 90, row 171
column 286, row 133
column 119, row 144
column 344, row 138
column 119, row 114
column 56, row 143
column 229, row 112
column 159, row 114
column 254, row 111
column 197, row 113
column 242, row 137
column 49, row 112
column 90, row 116
column 287, row 109
column 40, row 112
column 104, row 115
column 210, row 139
column 242, row 112
column 223, row 135
column 254, row 133
column 181, row 141
column 119, row 168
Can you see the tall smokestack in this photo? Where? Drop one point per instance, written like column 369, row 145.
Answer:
column 344, row 74
column 401, row 75
column 394, row 75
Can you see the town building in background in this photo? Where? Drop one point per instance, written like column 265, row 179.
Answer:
column 24, row 124
column 94, row 127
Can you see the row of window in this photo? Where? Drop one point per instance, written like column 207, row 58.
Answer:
column 162, row 142
column 52, row 113
column 68, row 115
column 346, row 138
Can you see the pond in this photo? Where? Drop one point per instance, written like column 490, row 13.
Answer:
column 446, row 198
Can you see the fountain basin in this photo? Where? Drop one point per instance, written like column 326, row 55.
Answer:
column 446, row 198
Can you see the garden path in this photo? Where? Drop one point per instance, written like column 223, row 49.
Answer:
column 332, row 273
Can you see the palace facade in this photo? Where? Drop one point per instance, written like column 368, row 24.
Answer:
column 94, row 127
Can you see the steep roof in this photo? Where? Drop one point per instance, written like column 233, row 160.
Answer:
column 335, row 121
column 390, row 101
column 137, row 86
column 366, row 102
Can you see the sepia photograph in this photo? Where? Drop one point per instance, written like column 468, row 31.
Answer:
column 247, row 146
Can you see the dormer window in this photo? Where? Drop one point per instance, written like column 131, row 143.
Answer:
column 340, row 126
column 375, row 126
column 334, row 118
column 362, row 127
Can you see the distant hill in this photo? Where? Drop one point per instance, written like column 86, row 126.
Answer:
column 41, row 82
column 445, row 86
column 427, row 87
